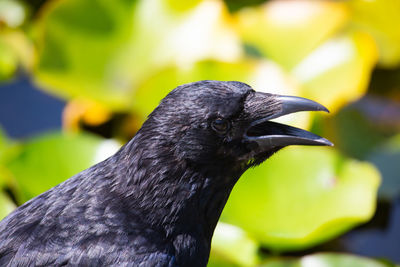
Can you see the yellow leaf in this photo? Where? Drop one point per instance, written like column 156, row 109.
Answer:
column 286, row 31
column 338, row 71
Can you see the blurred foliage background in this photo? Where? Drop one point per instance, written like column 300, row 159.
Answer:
column 78, row 77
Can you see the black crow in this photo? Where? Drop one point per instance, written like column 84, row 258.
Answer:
column 156, row 202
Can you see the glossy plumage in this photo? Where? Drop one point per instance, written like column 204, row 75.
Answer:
column 156, row 202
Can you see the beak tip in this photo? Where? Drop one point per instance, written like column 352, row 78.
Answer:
column 322, row 108
column 326, row 142
column 325, row 109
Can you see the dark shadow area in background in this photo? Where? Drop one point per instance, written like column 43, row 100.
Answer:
column 26, row 111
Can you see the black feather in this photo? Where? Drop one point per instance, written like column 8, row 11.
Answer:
column 156, row 202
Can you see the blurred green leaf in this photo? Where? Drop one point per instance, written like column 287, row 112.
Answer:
column 381, row 20
column 17, row 44
column 7, row 151
column 286, row 31
column 338, row 71
column 179, row 5
column 6, row 205
column 78, row 43
column 326, row 260
column 303, row 196
column 14, row 48
column 213, row 262
column 104, row 49
column 232, row 244
column 3, row 138
column 48, row 160
column 8, row 61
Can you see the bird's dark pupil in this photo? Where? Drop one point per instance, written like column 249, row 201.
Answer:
column 220, row 125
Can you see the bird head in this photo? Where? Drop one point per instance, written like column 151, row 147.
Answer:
column 196, row 144
column 228, row 122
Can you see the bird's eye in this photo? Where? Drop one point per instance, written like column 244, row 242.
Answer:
column 220, row 126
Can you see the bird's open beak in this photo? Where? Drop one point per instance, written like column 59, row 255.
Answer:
column 269, row 134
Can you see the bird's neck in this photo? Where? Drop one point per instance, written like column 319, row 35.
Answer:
column 172, row 194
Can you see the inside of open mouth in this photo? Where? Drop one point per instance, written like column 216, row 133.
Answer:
column 276, row 134
column 272, row 128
